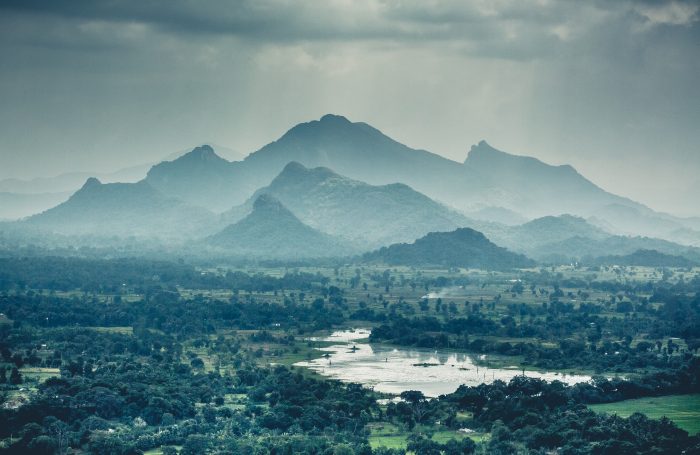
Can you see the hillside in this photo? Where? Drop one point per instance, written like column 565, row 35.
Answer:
column 123, row 210
column 369, row 215
column 270, row 230
column 460, row 248
column 529, row 237
column 200, row 177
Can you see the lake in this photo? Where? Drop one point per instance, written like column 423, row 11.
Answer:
column 393, row 369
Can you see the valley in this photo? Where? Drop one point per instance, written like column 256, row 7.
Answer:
column 240, row 337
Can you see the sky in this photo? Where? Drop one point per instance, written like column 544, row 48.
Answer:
column 610, row 87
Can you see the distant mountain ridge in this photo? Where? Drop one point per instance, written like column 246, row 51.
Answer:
column 645, row 258
column 368, row 215
column 124, row 210
column 567, row 238
column 349, row 180
column 488, row 178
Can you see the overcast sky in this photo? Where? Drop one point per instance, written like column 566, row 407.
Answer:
column 611, row 87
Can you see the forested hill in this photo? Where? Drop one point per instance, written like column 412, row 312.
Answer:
column 463, row 247
column 370, row 215
column 272, row 231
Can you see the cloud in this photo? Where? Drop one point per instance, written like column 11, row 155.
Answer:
column 669, row 13
column 517, row 29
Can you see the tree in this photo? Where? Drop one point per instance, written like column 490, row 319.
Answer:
column 15, row 376
column 418, row 403
column 195, row 444
column 343, row 449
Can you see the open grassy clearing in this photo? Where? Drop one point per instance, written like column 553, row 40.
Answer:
column 388, row 435
column 39, row 375
column 119, row 330
column 684, row 410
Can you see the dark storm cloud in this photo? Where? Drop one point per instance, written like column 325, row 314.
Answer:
column 510, row 28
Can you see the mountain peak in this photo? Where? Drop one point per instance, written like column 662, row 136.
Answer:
column 268, row 202
column 297, row 173
column 483, row 150
column 328, row 118
column 294, row 167
column 203, row 153
column 91, row 182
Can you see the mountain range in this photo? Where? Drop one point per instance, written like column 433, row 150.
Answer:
column 353, row 189
column 488, row 180
column 567, row 238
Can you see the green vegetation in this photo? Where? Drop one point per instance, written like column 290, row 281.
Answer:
column 461, row 248
column 130, row 356
column 385, row 434
column 683, row 410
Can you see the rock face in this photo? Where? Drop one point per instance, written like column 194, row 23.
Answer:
column 270, row 230
column 368, row 215
column 460, row 248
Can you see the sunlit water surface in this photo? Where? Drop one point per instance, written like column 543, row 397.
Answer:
column 394, row 370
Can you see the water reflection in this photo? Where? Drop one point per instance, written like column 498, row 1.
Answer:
column 393, row 370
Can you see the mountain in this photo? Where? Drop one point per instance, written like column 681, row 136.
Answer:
column 463, row 247
column 644, row 221
column 368, row 215
column 362, row 152
column 123, row 210
column 487, row 178
column 531, row 187
column 200, row 177
column 21, row 198
column 494, row 185
column 646, row 258
column 270, row 230
column 356, row 150
column 565, row 238
column 530, row 237
column 582, row 248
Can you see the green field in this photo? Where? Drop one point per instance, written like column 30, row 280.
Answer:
column 684, row 410
column 39, row 374
column 390, row 436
